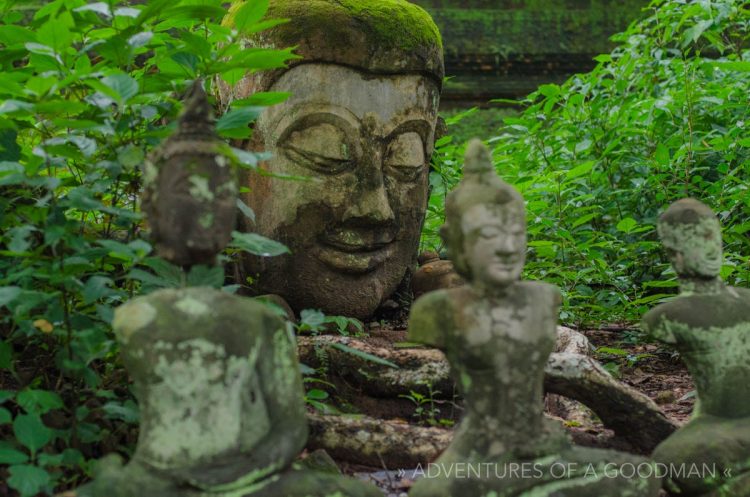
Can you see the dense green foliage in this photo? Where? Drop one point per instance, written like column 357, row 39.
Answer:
column 88, row 90
column 664, row 116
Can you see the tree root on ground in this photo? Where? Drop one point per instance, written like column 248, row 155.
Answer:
column 570, row 373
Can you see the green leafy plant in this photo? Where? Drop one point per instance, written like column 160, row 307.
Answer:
column 89, row 89
column 597, row 158
column 425, row 406
column 315, row 322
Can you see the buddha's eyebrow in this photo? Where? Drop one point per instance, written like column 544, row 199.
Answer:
column 420, row 126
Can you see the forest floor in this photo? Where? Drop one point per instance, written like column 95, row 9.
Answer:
column 649, row 368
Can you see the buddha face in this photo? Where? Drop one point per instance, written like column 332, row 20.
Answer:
column 694, row 249
column 363, row 143
column 495, row 243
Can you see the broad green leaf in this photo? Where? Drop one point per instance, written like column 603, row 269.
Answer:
column 201, row 275
column 98, row 7
column 245, row 210
column 261, row 99
column 363, row 355
column 166, row 270
column 584, row 219
column 19, row 238
column 8, row 294
column 12, row 456
column 132, row 12
column 662, row 155
column 31, row 432
column 97, row 287
column 131, row 156
column 627, row 225
column 122, row 85
column 238, row 119
column 140, row 39
column 737, row 65
column 10, row 35
column 661, row 284
column 317, row 394
column 39, row 401
column 56, row 34
column 264, row 25
column 580, row 170
column 127, row 411
column 612, row 351
column 312, row 319
column 28, row 480
column 11, row 106
column 196, row 12
column 257, row 244
column 250, row 13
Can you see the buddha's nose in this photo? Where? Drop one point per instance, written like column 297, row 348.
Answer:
column 370, row 201
column 506, row 245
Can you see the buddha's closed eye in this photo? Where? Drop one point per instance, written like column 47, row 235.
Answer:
column 321, row 147
column 405, row 157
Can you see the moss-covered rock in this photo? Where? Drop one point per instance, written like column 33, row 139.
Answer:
column 379, row 36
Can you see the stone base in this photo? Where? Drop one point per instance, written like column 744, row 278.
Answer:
column 714, row 454
column 575, row 472
column 135, row 480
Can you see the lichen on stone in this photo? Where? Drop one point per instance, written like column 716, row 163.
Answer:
column 132, row 317
column 395, row 23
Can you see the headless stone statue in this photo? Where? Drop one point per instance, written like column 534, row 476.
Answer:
column 497, row 333
column 360, row 125
column 709, row 325
column 216, row 376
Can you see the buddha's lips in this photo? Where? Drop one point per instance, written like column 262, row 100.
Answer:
column 353, row 258
column 354, row 247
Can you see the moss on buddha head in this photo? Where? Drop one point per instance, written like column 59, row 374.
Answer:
column 378, row 36
column 691, row 233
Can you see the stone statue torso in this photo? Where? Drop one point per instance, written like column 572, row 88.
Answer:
column 712, row 333
column 498, row 348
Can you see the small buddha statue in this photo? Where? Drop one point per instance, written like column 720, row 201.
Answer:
column 216, row 376
column 709, row 325
column 497, row 333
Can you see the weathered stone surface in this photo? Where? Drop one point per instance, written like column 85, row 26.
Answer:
column 709, row 324
column 434, row 274
column 497, row 334
column 360, row 127
column 220, row 396
column 190, row 195
column 374, row 442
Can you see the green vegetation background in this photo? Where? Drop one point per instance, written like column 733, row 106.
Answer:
column 90, row 88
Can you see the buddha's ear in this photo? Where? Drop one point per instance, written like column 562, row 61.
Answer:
column 441, row 130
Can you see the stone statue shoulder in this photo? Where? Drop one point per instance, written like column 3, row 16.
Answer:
column 727, row 309
column 541, row 289
column 432, row 316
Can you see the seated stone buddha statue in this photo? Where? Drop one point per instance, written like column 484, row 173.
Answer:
column 709, row 325
column 215, row 375
column 497, row 333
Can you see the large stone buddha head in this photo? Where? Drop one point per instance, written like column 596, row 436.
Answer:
column 359, row 126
